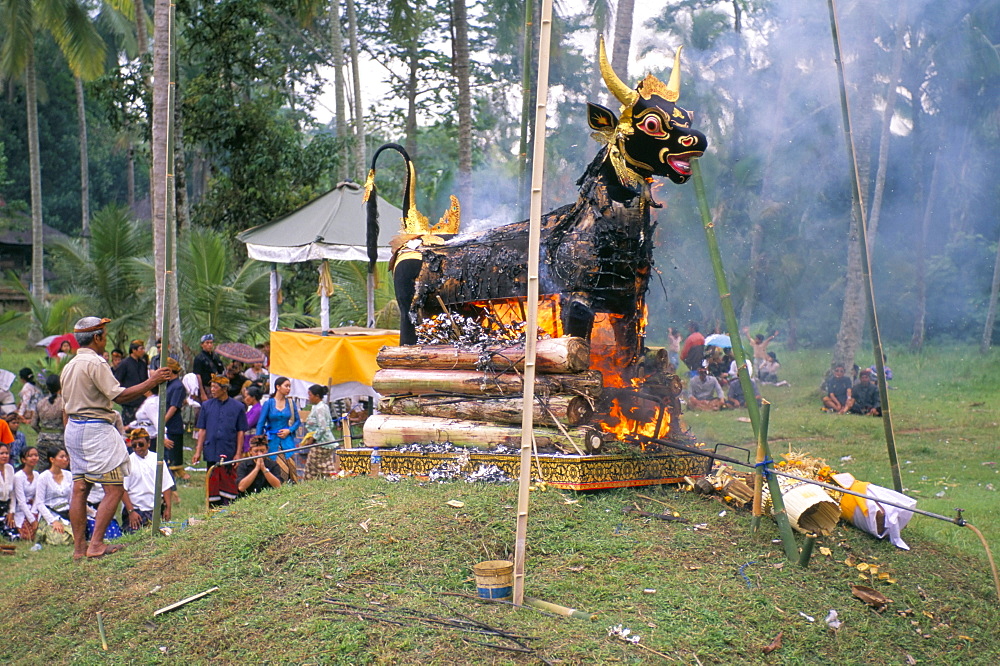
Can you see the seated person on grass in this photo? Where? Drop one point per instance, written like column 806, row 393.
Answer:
column 837, row 391
column 866, row 397
column 705, row 393
column 256, row 475
column 737, row 399
column 140, row 485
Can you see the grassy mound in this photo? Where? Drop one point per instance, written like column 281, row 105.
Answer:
column 354, row 571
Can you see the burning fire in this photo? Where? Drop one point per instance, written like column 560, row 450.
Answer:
column 614, row 342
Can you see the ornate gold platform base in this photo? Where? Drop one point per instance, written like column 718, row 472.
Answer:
column 561, row 471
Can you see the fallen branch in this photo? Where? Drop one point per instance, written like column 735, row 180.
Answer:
column 182, row 602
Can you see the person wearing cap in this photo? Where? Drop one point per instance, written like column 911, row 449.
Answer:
column 132, row 371
column 867, row 400
column 222, row 424
column 96, row 449
column 705, row 392
column 173, row 431
column 140, row 485
column 206, row 364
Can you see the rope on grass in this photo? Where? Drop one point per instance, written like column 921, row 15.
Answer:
column 989, row 555
column 745, row 577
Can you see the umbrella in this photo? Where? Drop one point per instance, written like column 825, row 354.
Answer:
column 240, row 352
column 718, row 340
column 55, row 343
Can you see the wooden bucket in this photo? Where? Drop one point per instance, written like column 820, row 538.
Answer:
column 810, row 509
column 494, row 579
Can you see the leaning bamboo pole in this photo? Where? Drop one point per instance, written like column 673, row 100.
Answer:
column 531, row 325
column 169, row 232
column 866, row 266
column 753, row 410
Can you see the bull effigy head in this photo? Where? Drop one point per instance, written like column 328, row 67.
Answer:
column 652, row 136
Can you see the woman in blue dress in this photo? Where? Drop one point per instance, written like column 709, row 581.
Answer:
column 278, row 418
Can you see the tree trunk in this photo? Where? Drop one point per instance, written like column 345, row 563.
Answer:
column 411, row 100
column 623, row 38
column 141, row 40
column 885, row 134
column 567, row 410
column 920, row 308
column 383, row 430
column 158, row 178
column 552, row 356
column 854, row 312
column 462, row 74
column 35, row 169
column 337, row 46
column 183, row 210
column 991, row 311
column 468, row 382
column 359, row 116
column 130, row 176
column 81, row 114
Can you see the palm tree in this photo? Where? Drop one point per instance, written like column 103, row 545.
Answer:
column 359, row 114
column 349, row 303
column 69, row 23
column 106, row 271
column 462, row 73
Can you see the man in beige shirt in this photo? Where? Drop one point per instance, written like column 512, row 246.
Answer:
column 96, row 448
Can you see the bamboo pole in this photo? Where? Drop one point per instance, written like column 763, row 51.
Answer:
column 169, row 232
column 531, row 323
column 758, row 477
column 866, row 267
column 780, row 517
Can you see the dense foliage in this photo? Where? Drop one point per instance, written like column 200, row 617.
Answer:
column 759, row 77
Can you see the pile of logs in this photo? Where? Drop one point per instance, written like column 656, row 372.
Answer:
column 443, row 393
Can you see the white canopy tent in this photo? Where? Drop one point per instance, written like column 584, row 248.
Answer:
column 332, row 226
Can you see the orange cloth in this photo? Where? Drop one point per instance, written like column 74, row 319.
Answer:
column 6, row 436
column 848, row 503
column 328, row 359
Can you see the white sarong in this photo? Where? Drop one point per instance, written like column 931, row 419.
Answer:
column 95, row 447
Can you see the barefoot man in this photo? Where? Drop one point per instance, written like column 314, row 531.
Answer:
column 96, row 449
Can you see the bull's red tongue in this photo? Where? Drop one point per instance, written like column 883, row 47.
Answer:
column 680, row 165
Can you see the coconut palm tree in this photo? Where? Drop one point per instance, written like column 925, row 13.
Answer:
column 69, row 23
column 106, row 272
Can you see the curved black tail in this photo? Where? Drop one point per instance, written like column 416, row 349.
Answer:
column 371, row 200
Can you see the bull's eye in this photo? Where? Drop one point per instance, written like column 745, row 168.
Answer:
column 651, row 125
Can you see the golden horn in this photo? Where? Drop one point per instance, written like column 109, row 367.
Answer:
column 616, row 87
column 674, row 84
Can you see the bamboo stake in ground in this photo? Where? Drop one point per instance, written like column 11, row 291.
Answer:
column 866, row 266
column 780, row 517
column 531, row 321
column 758, row 478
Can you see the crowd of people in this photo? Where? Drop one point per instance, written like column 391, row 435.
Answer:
column 97, row 425
column 712, row 374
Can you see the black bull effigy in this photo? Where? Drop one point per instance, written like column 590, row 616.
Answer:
column 595, row 254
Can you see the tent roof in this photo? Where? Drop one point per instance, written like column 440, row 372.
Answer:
column 332, row 226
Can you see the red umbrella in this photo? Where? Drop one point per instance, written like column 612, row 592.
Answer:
column 57, row 342
column 240, row 352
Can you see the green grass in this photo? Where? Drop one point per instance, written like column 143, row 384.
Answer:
column 287, row 561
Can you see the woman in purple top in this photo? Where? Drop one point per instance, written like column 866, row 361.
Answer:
column 251, row 398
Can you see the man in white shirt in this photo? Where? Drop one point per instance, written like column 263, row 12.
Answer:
column 140, row 485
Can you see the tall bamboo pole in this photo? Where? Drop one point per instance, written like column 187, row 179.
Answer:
column 170, row 231
column 758, row 477
column 780, row 517
column 866, row 267
column 531, row 325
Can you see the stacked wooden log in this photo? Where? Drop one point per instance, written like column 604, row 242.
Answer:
column 444, row 393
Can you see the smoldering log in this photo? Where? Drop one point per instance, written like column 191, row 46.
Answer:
column 568, row 410
column 553, row 356
column 398, row 381
column 386, row 430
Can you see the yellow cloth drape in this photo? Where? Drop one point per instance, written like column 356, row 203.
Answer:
column 328, row 358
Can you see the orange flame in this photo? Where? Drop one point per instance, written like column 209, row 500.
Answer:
column 613, row 357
